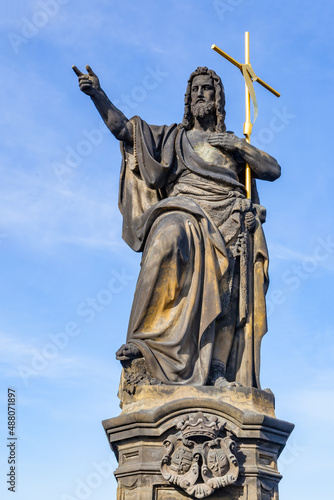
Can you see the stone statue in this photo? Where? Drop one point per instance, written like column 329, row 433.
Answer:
column 184, row 207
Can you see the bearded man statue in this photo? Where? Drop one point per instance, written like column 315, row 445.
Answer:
column 204, row 265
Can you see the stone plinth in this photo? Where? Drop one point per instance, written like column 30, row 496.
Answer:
column 195, row 442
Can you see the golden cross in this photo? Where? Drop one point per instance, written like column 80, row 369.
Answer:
column 250, row 77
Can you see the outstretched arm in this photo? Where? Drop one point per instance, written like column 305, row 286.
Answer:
column 116, row 121
column 264, row 166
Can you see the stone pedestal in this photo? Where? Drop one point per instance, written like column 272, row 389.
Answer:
column 174, row 443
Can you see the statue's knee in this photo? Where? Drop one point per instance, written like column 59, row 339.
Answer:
column 171, row 234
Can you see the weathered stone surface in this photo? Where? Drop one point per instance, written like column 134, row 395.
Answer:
column 135, row 374
column 244, row 398
column 137, row 437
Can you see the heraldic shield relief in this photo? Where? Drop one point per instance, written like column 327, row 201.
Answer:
column 200, row 457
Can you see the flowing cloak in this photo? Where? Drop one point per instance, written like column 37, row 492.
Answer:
column 185, row 281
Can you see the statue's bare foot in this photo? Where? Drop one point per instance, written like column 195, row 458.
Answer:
column 127, row 352
column 223, row 382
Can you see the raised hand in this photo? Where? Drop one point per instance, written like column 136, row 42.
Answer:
column 89, row 82
column 116, row 121
column 227, row 141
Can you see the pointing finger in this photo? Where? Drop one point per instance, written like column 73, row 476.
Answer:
column 90, row 71
column 77, row 71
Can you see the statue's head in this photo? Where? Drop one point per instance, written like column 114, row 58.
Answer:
column 211, row 101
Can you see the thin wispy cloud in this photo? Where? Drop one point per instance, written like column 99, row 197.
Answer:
column 45, row 214
column 17, row 357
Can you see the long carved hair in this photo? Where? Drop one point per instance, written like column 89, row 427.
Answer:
column 188, row 118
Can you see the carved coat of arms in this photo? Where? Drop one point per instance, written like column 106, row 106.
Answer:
column 200, row 457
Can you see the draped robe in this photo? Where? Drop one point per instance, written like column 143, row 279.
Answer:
column 187, row 216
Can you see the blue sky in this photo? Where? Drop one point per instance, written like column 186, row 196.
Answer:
column 60, row 230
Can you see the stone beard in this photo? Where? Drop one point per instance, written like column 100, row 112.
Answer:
column 202, row 109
